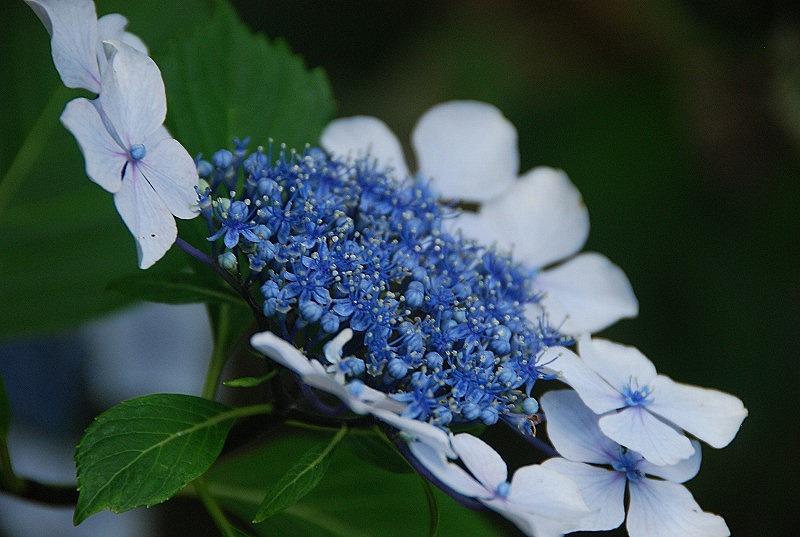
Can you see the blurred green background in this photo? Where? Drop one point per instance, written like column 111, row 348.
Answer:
column 679, row 122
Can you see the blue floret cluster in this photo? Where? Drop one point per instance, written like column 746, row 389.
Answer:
column 324, row 244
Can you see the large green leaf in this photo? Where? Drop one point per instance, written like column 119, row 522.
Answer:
column 142, row 451
column 225, row 82
column 355, row 498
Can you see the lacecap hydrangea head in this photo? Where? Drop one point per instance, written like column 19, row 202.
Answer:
column 438, row 321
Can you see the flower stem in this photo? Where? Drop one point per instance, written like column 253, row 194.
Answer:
column 213, row 508
column 218, row 354
column 230, row 280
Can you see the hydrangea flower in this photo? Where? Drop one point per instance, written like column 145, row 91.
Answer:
column 77, row 39
column 538, row 500
column 469, row 151
column 659, row 505
column 643, row 410
column 129, row 153
column 438, row 321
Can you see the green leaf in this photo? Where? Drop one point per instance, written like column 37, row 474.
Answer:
column 142, row 451
column 354, row 499
column 224, row 81
column 374, row 447
column 301, row 479
column 174, row 288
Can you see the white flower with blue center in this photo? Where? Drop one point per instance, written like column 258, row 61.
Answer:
column 538, row 500
column 129, row 153
column 642, row 410
column 469, row 152
column 659, row 506
column 77, row 36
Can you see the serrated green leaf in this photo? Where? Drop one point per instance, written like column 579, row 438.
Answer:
column 173, row 288
column 301, row 479
column 224, row 81
column 142, row 451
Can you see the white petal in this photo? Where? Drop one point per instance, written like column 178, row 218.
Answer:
column 602, row 490
column 595, row 392
column 710, row 415
column 104, row 157
column 468, row 150
column 573, row 430
column 133, row 95
column 329, row 384
column 333, row 348
column 112, row 26
column 588, row 293
column 448, row 473
column 539, row 490
column 146, row 217
column 541, row 502
column 541, row 216
column 677, row 473
column 173, row 175
column 618, row 364
column 639, row 430
column 665, row 509
column 72, row 25
column 358, row 136
column 420, row 432
column 282, row 352
column 481, row 459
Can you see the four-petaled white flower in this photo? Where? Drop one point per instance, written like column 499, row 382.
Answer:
column 129, row 153
column 642, row 410
column 469, row 152
column 659, row 506
column 538, row 500
column 76, row 37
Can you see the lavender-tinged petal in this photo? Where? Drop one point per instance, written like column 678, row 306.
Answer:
column 665, row 509
column 641, row 431
column 711, row 415
column 72, row 25
column 105, row 159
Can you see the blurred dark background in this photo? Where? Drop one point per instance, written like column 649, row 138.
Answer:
column 679, row 121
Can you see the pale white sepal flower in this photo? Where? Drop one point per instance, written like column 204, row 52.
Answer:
column 642, row 410
column 469, row 151
column 129, row 153
column 76, row 37
column 659, row 505
column 358, row 397
column 539, row 501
